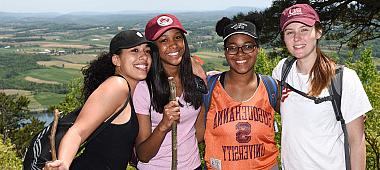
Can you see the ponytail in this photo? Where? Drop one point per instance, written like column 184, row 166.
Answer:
column 323, row 70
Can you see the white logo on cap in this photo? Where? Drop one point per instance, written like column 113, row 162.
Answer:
column 164, row 21
column 139, row 34
column 239, row 26
column 295, row 11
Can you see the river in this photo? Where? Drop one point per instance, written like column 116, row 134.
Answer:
column 47, row 117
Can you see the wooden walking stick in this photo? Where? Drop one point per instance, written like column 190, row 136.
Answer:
column 173, row 96
column 52, row 135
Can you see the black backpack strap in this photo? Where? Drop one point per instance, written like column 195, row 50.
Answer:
column 284, row 74
column 335, row 90
column 286, row 69
column 316, row 100
column 272, row 90
column 211, row 81
column 108, row 122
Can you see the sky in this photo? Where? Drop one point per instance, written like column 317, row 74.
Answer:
column 64, row 6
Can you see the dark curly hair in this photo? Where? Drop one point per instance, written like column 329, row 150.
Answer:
column 158, row 83
column 97, row 72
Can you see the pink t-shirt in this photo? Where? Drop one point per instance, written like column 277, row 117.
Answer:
column 188, row 154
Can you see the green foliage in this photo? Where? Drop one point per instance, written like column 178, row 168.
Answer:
column 22, row 136
column 13, row 109
column 14, row 123
column 8, row 158
column 201, row 147
column 265, row 64
column 366, row 70
column 73, row 98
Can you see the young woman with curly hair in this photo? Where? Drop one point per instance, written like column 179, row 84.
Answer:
column 109, row 82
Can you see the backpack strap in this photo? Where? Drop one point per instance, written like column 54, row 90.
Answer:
column 272, row 90
column 211, row 81
column 316, row 100
column 335, row 90
column 108, row 122
column 286, row 69
column 284, row 74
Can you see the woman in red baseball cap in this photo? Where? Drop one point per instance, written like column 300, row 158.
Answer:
column 156, row 113
column 109, row 82
column 312, row 138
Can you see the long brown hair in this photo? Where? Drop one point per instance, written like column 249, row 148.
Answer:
column 323, row 70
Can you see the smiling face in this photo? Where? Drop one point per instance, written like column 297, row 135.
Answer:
column 171, row 46
column 301, row 40
column 133, row 62
column 244, row 60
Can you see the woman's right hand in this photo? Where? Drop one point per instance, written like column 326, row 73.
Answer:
column 56, row 165
column 171, row 114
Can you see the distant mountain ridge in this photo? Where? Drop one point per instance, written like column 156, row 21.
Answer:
column 12, row 16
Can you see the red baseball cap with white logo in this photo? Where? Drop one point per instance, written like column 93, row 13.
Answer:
column 302, row 13
column 161, row 23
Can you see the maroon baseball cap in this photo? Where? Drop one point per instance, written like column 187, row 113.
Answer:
column 302, row 13
column 161, row 23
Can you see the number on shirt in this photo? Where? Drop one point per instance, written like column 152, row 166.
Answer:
column 243, row 132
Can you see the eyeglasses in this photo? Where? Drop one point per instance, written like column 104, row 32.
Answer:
column 247, row 48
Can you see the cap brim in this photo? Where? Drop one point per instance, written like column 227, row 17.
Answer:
column 161, row 31
column 137, row 44
column 240, row 32
column 306, row 21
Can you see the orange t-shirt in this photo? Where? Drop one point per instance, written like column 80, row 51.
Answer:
column 240, row 135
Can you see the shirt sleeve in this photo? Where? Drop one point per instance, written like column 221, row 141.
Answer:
column 354, row 101
column 276, row 73
column 141, row 98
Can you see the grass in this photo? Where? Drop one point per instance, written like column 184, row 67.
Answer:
column 60, row 75
column 47, row 99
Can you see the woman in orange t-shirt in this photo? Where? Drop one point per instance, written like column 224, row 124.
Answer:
column 239, row 124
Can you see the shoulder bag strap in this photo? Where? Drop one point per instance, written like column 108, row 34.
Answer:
column 108, row 122
column 335, row 90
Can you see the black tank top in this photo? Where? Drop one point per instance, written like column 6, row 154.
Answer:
column 112, row 148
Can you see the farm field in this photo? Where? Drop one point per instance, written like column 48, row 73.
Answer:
column 63, row 64
column 47, row 99
column 76, row 58
column 59, row 75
